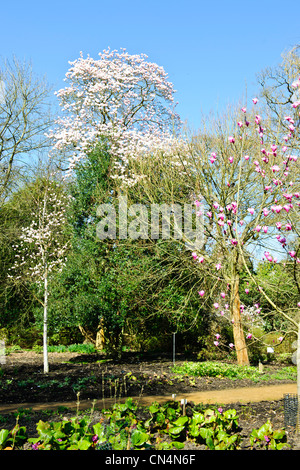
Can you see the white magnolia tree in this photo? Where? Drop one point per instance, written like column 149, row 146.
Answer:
column 121, row 98
column 42, row 250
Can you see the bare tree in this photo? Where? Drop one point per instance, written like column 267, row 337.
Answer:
column 24, row 119
column 281, row 97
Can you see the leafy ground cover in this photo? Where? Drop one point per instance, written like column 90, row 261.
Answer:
column 75, row 376
column 159, row 427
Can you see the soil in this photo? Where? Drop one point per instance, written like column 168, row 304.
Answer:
column 78, row 381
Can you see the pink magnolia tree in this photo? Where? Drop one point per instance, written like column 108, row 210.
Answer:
column 250, row 197
column 121, row 99
column 245, row 189
column 42, row 250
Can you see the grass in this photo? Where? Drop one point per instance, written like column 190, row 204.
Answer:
column 234, row 372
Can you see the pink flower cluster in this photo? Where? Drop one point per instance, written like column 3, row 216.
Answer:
column 275, row 167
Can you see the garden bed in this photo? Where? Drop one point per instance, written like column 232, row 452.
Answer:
column 77, row 377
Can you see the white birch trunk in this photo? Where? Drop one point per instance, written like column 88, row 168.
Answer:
column 45, row 325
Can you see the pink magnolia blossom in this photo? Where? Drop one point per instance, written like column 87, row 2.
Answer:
column 268, row 256
column 255, row 100
column 231, row 139
column 275, row 168
column 251, row 210
column 276, row 209
column 257, row 119
column 201, row 293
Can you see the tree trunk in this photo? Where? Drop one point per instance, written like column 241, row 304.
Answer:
column 238, row 334
column 87, row 335
column 100, row 339
column 298, row 385
column 45, row 332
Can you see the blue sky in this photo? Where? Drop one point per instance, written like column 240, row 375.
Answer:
column 210, row 49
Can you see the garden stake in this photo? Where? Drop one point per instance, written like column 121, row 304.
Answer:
column 125, row 389
column 77, row 403
column 116, row 386
column 140, row 395
column 120, row 391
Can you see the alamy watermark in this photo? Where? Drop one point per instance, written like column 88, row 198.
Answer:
column 151, row 221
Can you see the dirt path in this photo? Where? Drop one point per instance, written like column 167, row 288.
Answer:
column 242, row 395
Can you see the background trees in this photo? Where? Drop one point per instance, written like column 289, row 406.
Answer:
column 239, row 174
column 24, row 118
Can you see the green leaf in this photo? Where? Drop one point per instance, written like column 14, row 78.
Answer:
column 3, row 436
column 198, row 418
column 210, row 443
column 181, row 421
column 279, row 434
column 178, row 445
column 139, row 438
column 83, row 444
column 176, row 430
column 154, row 408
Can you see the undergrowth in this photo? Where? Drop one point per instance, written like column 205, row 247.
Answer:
column 234, row 371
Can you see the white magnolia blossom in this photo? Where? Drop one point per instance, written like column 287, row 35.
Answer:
column 121, row 98
column 40, row 247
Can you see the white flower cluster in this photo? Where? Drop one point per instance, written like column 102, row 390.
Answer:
column 42, row 246
column 120, row 97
